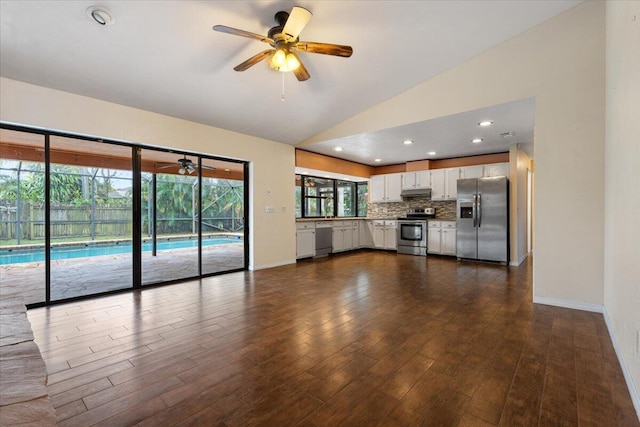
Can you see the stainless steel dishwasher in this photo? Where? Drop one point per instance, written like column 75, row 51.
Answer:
column 324, row 238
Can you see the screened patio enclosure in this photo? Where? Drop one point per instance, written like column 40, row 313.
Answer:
column 80, row 216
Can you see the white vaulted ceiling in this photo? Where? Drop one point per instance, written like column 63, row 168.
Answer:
column 163, row 56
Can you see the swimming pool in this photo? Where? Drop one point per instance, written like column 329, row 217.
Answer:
column 16, row 256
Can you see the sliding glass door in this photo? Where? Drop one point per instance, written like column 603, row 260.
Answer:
column 222, row 216
column 81, row 216
column 22, row 215
column 90, row 204
column 169, row 216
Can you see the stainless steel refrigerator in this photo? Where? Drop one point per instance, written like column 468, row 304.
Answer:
column 483, row 219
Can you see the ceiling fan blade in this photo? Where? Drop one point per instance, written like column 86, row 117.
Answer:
column 324, row 48
column 298, row 19
column 253, row 60
column 172, row 165
column 242, row 33
column 210, row 168
column 301, row 72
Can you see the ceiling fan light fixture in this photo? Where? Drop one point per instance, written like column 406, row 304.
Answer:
column 283, row 60
column 181, row 171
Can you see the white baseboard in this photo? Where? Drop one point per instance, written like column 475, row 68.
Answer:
column 625, row 370
column 517, row 263
column 575, row 305
column 597, row 308
column 272, row 265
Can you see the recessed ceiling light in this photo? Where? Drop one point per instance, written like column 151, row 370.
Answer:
column 485, row 123
column 477, row 140
column 337, row 149
column 431, row 153
column 408, row 142
column 100, row 15
column 377, row 160
column 227, row 170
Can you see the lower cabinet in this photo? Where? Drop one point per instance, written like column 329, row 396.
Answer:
column 434, row 237
column 384, row 234
column 442, row 238
column 345, row 236
column 365, row 237
column 305, row 240
column 448, row 242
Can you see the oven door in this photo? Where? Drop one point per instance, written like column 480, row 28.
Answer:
column 412, row 233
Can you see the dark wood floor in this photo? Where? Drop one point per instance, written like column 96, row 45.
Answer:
column 360, row 339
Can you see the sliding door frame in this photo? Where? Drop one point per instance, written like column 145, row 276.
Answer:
column 136, row 169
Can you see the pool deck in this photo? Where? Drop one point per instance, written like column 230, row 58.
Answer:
column 84, row 276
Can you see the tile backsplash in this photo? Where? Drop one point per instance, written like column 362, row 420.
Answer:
column 444, row 209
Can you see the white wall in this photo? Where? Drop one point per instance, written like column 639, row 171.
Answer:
column 622, row 184
column 560, row 63
column 272, row 164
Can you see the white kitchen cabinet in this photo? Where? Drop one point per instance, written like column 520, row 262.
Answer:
column 416, row 180
column 472, row 172
column 434, row 237
column 386, row 188
column 384, row 234
column 437, row 184
column 441, row 237
column 448, row 238
column 444, row 183
column 390, row 237
column 338, row 237
column 355, row 234
column 496, row 169
column 365, row 236
column 345, row 235
column 305, row 240
column 451, row 183
column 378, row 234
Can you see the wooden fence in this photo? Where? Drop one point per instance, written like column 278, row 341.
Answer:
column 108, row 221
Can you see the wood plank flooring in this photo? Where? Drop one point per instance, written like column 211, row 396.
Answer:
column 361, row 339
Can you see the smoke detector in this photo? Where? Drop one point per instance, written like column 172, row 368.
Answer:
column 100, row 15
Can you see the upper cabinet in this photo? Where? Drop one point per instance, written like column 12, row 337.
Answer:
column 472, row 172
column 416, row 180
column 444, row 183
column 386, row 188
column 496, row 169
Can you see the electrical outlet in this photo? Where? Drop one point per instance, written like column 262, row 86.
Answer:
column 269, row 209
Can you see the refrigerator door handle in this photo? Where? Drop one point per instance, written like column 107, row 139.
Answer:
column 479, row 209
column 474, row 212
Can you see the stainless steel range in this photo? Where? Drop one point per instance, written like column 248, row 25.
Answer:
column 412, row 231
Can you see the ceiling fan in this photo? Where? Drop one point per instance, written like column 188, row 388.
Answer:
column 284, row 42
column 186, row 166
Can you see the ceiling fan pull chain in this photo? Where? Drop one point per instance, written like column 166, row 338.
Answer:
column 283, row 98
